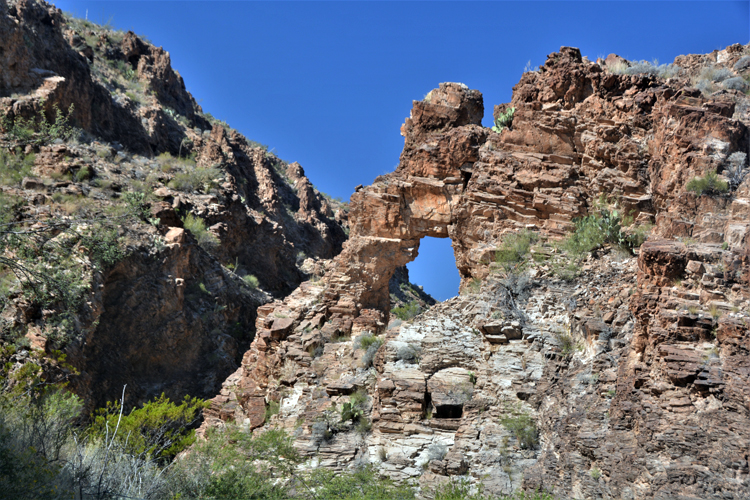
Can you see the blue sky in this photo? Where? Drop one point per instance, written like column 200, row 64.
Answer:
column 328, row 84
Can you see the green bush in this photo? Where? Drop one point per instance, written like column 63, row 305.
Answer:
column 522, row 426
column 504, row 120
column 160, row 429
column 594, row 230
column 197, row 226
column 237, row 464
column 272, row 408
column 370, row 343
column 361, row 484
column 709, row 184
column 197, row 179
column 39, row 130
column 514, row 248
column 407, row 311
column 251, row 281
column 14, row 166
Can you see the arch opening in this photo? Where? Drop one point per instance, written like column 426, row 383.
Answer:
column 435, row 269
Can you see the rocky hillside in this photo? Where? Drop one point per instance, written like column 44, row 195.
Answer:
column 577, row 359
column 152, row 230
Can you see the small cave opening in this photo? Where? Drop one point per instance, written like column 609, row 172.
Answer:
column 465, row 178
column 449, row 411
column 435, row 269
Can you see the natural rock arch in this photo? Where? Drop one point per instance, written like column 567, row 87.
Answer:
column 421, row 198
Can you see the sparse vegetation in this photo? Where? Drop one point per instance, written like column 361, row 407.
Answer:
column 511, row 254
column 197, row 227
column 504, row 120
column 709, row 184
column 370, row 344
column 646, row 68
column 407, row 311
column 251, row 281
column 38, row 130
column 522, row 426
column 195, row 180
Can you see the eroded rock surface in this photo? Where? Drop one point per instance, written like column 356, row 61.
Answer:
column 627, row 382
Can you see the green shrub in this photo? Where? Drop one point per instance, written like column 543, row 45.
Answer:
column 197, row 226
column 522, row 426
column 160, row 429
column 594, row 230
column 709, row 184
column 504, row 120
column 514, row 248
column 197, row 179
column 407, row 311
column 251, row 281
column 14, row 166
column 361, row 484
column 370, row 343
column 272, row 408
column 237, row 464
column 39, row 130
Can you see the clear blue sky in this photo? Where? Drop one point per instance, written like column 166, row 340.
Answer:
column 328, row 84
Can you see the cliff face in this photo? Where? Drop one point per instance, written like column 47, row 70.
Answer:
column 627, row 380
column 171, row 312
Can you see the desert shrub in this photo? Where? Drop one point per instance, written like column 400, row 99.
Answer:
column 197, row 226
column 736, row 83
column 361, row 484
column 251, row 281
column 735, row 168
column 522, row 426
column 272, row 408
column 597, row 229
column 14, row 165
column 370, row 343
column 407, row 311
column 39, row 130
column 709, row 184
column 504, row 120
column 195, row 179
column 409, row 353
column 715, row 74
column 160, row 429
column 235, row 463
column 647, row 68
column 743, row 63
column 514, row 248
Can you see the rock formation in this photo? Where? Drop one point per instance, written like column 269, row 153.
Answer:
column 627, row 382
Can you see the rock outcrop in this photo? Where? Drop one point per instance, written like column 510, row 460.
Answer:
column 173, row 313
column 627, row 382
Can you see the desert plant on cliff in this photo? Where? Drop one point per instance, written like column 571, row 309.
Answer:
column 521, row 425
column 504, row 120
column 251, row 281
column 514, row 248
column 361, row 484
column 407, row 311
column 709, row 184
column 197, row 226
column 196, row 179
column 14, row 165
column 370, row 343
column 39, row 129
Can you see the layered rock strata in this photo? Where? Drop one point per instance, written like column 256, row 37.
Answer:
column 633, row 374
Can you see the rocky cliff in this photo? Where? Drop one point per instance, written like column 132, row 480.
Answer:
column 611, row 376
column 94, row 119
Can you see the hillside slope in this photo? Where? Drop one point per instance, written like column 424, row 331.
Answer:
column 164, row 228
